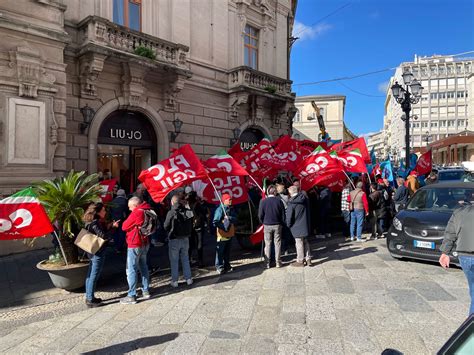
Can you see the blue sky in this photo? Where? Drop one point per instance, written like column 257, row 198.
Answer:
column 370, row 35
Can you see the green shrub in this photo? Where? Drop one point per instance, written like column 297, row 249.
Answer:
column 146, row 52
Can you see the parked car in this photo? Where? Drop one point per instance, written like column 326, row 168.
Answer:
column 456, row 174
column 417, row 230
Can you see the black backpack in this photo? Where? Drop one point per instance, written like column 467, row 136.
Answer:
column 182, row 224
column 150, row 223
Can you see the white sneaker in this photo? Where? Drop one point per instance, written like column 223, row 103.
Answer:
column 174, row 284
column 189, row 282
column 361, row 240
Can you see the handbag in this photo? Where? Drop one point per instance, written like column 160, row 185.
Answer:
column 89, row 242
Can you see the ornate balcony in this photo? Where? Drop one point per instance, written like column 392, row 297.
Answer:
column 246, row 77
column 102, row 34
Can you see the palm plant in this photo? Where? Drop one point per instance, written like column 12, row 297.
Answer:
column 65, row 199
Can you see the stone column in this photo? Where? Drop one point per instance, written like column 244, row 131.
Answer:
column 455, row 160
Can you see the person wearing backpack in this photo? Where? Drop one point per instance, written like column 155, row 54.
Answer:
column 138, row 227
column 179, row 225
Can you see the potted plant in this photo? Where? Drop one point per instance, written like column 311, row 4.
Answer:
column 146, row 52
column 64, row 200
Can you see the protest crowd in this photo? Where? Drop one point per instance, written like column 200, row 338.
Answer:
column 320, row 193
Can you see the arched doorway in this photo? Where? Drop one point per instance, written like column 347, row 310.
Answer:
column 250, row 137
column 126, row 145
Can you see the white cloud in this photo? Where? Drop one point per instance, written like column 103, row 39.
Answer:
column 307, row 32
column 383, row 86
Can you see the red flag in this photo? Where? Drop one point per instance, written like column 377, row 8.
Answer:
column 306, row 147
column 22, row 216
column 237, row 153
column 179, row 169
column 315, row 167
column 232, row 185
column 333, row 179
column 255, row 163
column 358, row 143
column 257, row 236
column 284, row 155
column 424, row 164
column 351, row 160
column 223, row 165
column 107, row 189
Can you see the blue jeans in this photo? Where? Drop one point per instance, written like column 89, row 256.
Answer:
column 136, row 261
column 357, row 218
column 223, row 255
column 179, row 250
column 95, row 268
column 347, row 222
column 467, row 264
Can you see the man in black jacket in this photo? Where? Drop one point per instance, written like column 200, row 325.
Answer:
column 179, row 225
column 401, row 194
column 271, row 213
column 297, row 218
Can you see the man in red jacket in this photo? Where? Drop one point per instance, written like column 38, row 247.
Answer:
column 137, row 250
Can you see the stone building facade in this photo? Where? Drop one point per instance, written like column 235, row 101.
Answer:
column 103, row 85
column 332, row 109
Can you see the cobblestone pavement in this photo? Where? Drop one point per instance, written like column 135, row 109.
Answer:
column 356, row 299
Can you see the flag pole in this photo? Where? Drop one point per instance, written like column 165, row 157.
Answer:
column 368, row 175
column 350, row 180
column 256, row 183
column 60, row 246
column 218, row 196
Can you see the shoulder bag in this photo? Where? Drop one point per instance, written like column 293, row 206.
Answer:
column 89, row 242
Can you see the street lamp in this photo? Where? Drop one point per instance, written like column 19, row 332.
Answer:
column 407, row 96
column 177, row 123
column 236, row 132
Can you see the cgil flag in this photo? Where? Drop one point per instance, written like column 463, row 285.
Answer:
column 107, row 187
column 23, row 216
column 181, row 168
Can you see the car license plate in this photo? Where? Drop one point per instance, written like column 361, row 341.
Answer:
column 421, row 244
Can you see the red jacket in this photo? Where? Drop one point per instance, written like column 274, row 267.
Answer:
column 133, row 223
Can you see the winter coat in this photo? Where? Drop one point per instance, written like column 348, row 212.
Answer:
column 401, row 195
column 378, row 205
column 271, row 211
column 119, row 208
column 297, row 216
column 458, row 232
column 132, row 226
column 179, row 222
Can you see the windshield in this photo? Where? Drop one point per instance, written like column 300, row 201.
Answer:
column 446, row 199
column 451, row 175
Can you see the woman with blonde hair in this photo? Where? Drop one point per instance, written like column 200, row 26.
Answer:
column 92, row 216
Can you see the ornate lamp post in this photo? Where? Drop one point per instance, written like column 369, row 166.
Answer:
column 407, row 96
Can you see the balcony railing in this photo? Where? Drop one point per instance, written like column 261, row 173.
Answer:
column 245, row 76
column 101, row 32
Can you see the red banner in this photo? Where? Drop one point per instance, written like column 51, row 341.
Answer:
column 181, row 168
column 257, row 236
column 424, row 164
column 237, row 153
column 351, row 160
column 314, row 169
column 233, row 185
column 22, row 216
column 358, row 143
column 107, row 186
column 223, row 165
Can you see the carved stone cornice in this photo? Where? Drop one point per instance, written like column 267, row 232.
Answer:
column 237, row 99
column 132, row 82
column 26, row 71
column 90, row 66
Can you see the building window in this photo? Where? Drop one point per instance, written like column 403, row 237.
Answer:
column 434, row 110
column 451, row 123
column 460, row 94
column 451, row 94
column 442, row 95
column 251, row 47
column 424, row 124
column 297, row 116
column 461, row 124
column 434, row 124
column 442, row 123
column 434, row 95
column 128, row 13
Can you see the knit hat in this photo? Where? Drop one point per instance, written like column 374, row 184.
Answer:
column 226, row 197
